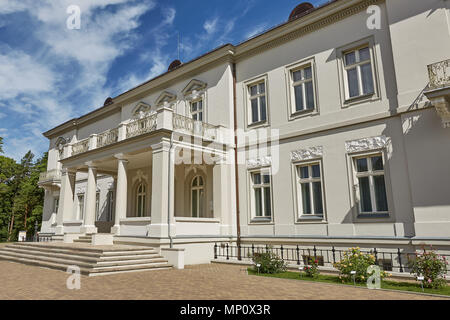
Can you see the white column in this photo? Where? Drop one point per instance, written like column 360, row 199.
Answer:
column 66, row 195
column 91, row 191
column 161, row 182
column 222, row 196
column 121, row 193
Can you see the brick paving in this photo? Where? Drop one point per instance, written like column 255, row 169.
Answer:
column 201, row 282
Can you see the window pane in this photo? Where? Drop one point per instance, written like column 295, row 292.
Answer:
column 194, row 203
column 350, row 58
column 367, row 80
column 253, row 90
column 309, row 95
column 262, row 87
column 306, row 198
column 194, row 117
column 194, row 107
column 200, row 116
column 267, row 206
column 256, row 178
column 297, row 75
column 316, row 171
column 304, row 173
column 364, row 54
column 380, row 193
column 364, row 194
column 262, row 103
column 353, row 88
column 255, row 110
column 308, row 73
column 266, row 178
column 377, row 163
column 200, row 202
column 361, row 165
column 317, row 193
column 298, row 91
column 143, row 205
column 200, row 105
column 258, row 203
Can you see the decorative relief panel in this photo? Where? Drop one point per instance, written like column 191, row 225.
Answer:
column 259, row 162
column 366, row 144
column 307, row 154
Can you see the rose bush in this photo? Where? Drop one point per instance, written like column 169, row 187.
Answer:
column 312, row 270
column 269, row 262
column 432, row 266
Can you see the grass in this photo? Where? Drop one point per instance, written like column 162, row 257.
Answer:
column 385, row 284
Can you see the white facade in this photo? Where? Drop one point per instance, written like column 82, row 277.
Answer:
column 358, row 152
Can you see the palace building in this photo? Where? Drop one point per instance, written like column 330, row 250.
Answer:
column 331, row 129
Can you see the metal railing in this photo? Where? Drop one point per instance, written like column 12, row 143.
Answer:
column 396, row 260
column 439, row 74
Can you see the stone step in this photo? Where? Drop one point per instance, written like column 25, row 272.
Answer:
column 156, row 260
column 131, row 267
column 93, row 251
column 79, row 257
column 82, row 241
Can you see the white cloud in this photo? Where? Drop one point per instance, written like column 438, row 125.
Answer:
column 256, row 30
column 210, row 26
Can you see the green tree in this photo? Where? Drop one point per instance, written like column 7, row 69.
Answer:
column 1, row 145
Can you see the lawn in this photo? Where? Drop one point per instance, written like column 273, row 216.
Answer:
column 385, row 284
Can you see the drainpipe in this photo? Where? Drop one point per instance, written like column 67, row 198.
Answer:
column 236, row 174
column 170, row 190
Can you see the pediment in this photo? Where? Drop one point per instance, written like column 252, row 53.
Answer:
column 141, row 108
column 194, row 85
column 165, row 97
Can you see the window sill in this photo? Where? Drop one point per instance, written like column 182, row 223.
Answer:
column 201, row 220
column 73, row 223
column 258, row 124
column 259, row 220
column 315, row 218
column 136, row 219
column 303, row 114
column 373, row 215
column 360, row 99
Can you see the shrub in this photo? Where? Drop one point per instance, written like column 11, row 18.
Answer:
column 269, row 262
column 432, row 266
column 312, row 270
column 355, row 260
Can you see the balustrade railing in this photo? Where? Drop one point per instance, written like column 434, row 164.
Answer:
column 107, row 137
column 80, row 147
column 50, row 175
column 439, row 74
column 193, row 127
column 141, row 126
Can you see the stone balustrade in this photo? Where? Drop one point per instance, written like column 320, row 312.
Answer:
column 439, row 74
column 51, row 175
column 164, row 118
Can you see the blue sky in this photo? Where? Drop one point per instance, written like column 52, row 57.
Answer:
column 50, row 74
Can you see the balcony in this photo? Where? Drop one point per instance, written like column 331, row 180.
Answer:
column 438, row 90
column 163, row 119
column 51, row 177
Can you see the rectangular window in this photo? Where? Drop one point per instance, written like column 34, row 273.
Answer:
column 97, row 205
column 80, row 207
column 261, row 194
column 110, row 205
column 258, row 102
column 358, row 73
column 303, row 89
column 56, row 205
column 310, row 193
column 371, row 187
column 197, row 110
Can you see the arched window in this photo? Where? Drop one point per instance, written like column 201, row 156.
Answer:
column 197, row 197
column 140, row 199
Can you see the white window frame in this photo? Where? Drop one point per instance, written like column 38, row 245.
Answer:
column 197, row 112
column 310, row 180
column 346, row 100
column 144, row 202
column 197, row 188
column 262, row 186
column 248, row 105
column 290, row 84
column 370, row 173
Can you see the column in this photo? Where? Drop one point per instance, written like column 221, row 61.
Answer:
column 162, row 191
column 91, row 191
column 66, row 195
column 121, row 193
column 222, row 196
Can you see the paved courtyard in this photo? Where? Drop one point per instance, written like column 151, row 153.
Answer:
column 202, row 282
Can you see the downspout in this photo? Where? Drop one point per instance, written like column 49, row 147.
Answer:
column 170, row 190
column 236, row 174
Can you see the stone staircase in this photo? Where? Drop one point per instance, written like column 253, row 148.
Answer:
column 92, row 261
column 84, row 239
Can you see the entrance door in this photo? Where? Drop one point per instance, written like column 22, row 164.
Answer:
column 105, row 214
